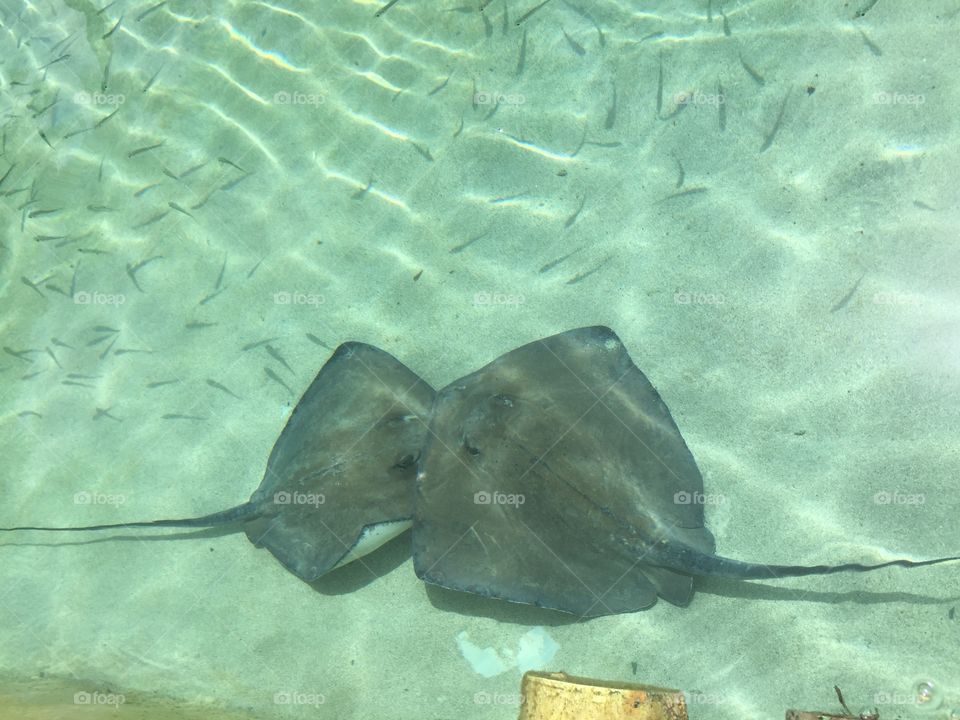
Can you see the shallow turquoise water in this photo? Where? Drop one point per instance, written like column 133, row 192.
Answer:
column 274, row 171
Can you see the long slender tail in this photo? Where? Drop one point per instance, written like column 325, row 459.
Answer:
column 690, row 561
column 238, row 514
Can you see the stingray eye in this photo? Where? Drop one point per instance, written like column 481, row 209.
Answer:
column 468, row 446
column 406, row 461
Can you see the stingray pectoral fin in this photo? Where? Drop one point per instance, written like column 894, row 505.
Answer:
column 688, row 560
column 230, row 516
column 373, row 537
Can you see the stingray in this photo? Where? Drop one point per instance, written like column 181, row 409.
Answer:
column 555, row 476
column 338, row 482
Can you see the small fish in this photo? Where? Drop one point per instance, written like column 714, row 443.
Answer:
column 19, row 354
column 276, row 378
column 726, row 23
column 721, row 107
column 275, row 354
column 417, row 276
column 584, row 275
column 108, row 348
column 422, row 150
column 864, row 9
column 7, row 173
column 871, row 46
column 317, row 341
column 138, row 151
column 757, row 77
column 198, row 325
column 254, row 268
column 522, row 59
column 161, row 383
column 768, row 140
column 844, row 301
column 189, row 171
column 53, row 357
column 553, row 263
column 573, row 218
column 113, row 29
column 231, row 163
column 487, row 26
column 100, row 208
column 228, row 186
column 574, row 45
column 258, row 343
column 151, row 220
column 177, row 416
column 142, row 191
column 65, row 56
column 179, row 209
column 222, row 388
column 74, row 383
column 923, row 206
column 47, row 238
column 152, row 80
column 211, row 296
column 104, row 119
column 43, row 213
column 463, row 246
column 30, row 376
column 28, row 413
column 611, row 111
column 660, row 86
column 131, row 351
column 97, row 341
column 34, row 285
column 509, row 198
column 80, row 376
column 105, row 412
column 60, row 343
column 132, row 270
column 150, row 10
column 530, row 12
column 440, row 87
column 683, row 193
column 680, row 172
column 104, row 328
column 362, row 192
column 386, row 7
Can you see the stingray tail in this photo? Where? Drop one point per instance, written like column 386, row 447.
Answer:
column 693, row 562
column 238, row 514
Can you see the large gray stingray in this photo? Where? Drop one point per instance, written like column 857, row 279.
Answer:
column 555, row 476
column 338, row 482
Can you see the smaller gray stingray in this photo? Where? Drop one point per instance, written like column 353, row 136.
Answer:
column 338, row 480
column 555, row 476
